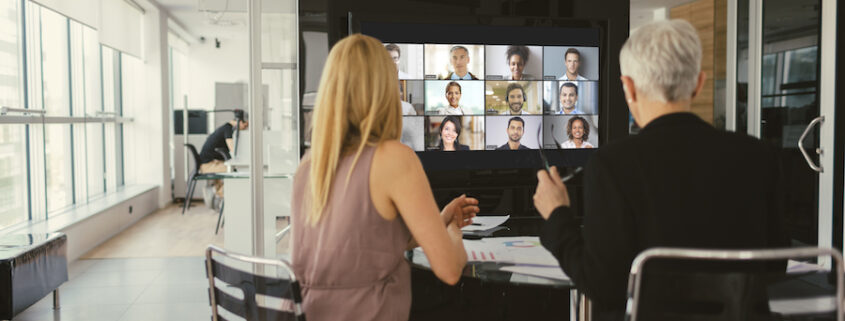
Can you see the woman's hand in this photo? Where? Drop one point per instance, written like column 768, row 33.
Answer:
column 460, row 211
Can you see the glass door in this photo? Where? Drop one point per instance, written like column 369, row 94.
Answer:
column 785, row 59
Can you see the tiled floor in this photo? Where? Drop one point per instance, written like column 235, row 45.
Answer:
column 173, row 288
column 152, row 271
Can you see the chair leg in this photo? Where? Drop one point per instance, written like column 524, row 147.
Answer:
column 189, row 195
column 219, row 217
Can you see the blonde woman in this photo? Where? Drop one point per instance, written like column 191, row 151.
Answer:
column 361, row 197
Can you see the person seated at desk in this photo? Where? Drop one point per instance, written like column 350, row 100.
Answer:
column 361, row 197
column 221, row 139
column 671, row 185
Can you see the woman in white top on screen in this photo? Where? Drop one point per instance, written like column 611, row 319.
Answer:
column 453, row 96
column 517, row 58
column 578, row 131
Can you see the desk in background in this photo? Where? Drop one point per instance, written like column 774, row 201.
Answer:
column 237, row 213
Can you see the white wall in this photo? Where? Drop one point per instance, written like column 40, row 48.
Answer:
column 208, row 64
column 147, row 138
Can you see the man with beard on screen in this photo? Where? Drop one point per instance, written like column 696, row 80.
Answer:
column 515, row 98
column 515, row 130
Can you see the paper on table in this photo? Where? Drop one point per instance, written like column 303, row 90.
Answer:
column 803, row 267
column 552, row 272
column 519, row 250
column 482, row 223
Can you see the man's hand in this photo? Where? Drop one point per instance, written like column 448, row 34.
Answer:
column 460, row 211
column 551, row 192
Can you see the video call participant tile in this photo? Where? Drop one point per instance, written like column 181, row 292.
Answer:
column 408, row 59
column 570, row 132
column 454, row 97
column 454, row 62
column 412, row 95
column 571, row 97
column 513, row 132
column 514, row 97
column 513, row 62
column 570, row 63
column 454, row 133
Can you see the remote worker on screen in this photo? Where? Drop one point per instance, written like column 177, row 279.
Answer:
column 487, row 97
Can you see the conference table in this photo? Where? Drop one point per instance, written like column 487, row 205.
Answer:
column 486, row 291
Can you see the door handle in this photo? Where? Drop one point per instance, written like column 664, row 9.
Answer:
column 819, row 168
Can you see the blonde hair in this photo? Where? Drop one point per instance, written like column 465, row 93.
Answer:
column 357, row 105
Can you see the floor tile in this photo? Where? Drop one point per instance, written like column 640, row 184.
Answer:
column 110, row 312
column 173, row 294
column 94, row 296
column 167, row 312
column 93, row 278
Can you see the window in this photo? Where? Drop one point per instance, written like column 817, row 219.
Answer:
column 14, row 206
column 87, row 102
column 74, row 153
column 789, row 78
column 55, row 74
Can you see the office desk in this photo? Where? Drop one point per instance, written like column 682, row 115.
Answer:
column 485, row 292
column 237, row 213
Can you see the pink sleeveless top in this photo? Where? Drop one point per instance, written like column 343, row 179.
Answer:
column 351, row 264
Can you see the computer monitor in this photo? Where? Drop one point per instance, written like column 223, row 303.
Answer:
column 489, row 96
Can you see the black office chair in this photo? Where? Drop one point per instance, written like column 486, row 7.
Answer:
column 686, row 285
column 191, row 183
column 192, row 178
column 235, row 289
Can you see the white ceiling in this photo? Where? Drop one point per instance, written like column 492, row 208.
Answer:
column 218, row 18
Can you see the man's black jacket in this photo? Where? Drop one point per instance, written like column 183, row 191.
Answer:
column 678, row 183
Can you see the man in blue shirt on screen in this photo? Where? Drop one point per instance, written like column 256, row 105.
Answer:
column 568, row 99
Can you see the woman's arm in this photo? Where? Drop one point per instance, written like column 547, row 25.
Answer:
column 398, row 177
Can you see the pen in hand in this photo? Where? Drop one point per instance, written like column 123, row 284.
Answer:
column 571, row 175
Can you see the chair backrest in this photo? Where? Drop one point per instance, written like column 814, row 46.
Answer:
column 196, row 157
column 280, row 294
column 731, row 292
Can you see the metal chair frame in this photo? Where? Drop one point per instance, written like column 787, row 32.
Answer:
column 282, row 264
column 635, row 277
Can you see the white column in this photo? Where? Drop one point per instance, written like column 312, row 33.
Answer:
column 256, row 134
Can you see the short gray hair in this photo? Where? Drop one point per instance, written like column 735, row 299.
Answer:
column 663, row 59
